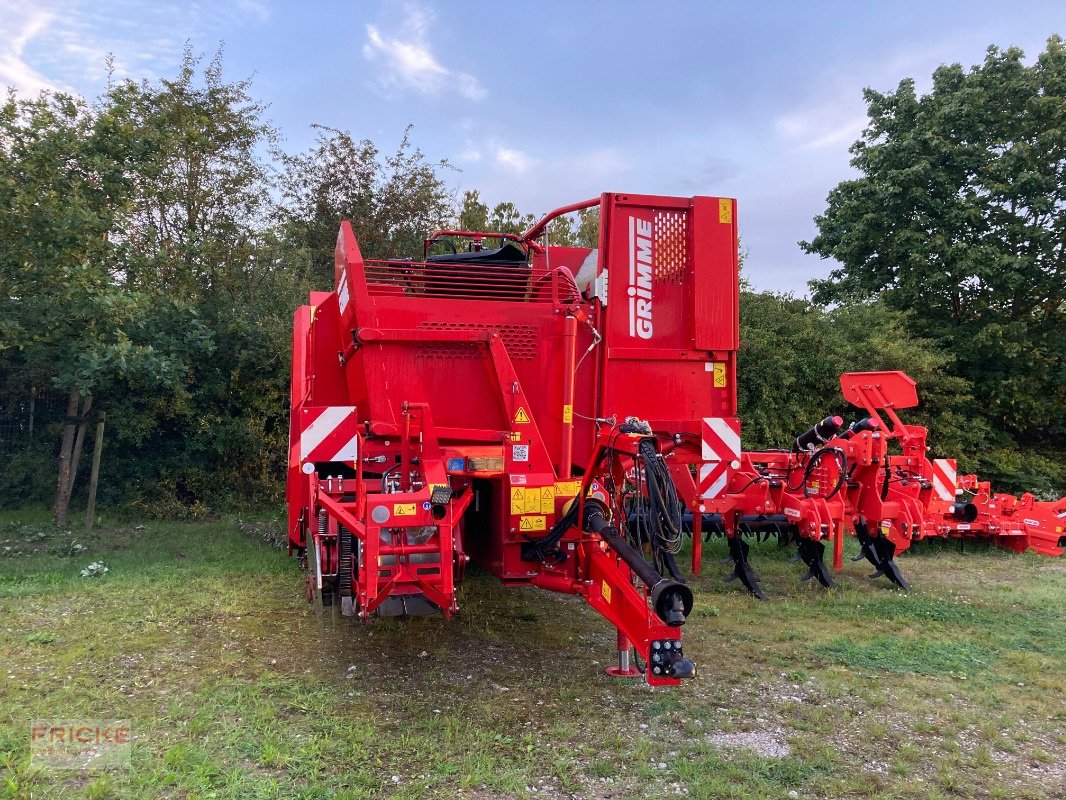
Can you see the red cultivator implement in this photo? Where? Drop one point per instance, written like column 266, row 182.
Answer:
column 873, row 479
column 565, row 416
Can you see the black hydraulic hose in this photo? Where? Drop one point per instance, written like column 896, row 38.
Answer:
column 668, row 563
column 540, row 550
column 385, row 476
column 817, row 434
column 842, row 466
column 858, row 426
column 666, row 509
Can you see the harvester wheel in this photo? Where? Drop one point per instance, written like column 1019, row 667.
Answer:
column 323, row 599
column 346, row 560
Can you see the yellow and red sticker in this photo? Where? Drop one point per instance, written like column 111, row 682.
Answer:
column 533, row 523
column 532, row 500
column 567, row 488
column 720, row 379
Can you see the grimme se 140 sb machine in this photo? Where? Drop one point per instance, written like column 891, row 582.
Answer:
column 567, row 416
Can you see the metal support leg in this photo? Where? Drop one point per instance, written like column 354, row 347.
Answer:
column 624, row 668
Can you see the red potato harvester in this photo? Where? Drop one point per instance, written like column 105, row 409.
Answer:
column 566, row 416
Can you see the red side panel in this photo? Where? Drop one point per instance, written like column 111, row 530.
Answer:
column 295, row 487
column 672, row 314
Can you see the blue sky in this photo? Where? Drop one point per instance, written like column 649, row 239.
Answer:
column 545, row 103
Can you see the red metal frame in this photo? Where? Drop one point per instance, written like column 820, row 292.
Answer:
column 467, row 377
column 488, row 397
column 890, row 491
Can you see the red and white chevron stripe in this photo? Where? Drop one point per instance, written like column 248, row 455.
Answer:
column 944, row 478
column 330, row 433
column 721, row 450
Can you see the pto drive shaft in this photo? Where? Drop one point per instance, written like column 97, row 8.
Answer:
column 671, row 600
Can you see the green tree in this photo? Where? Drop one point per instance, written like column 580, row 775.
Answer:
column 473, row 214
column 71, row 321
column 198, row 177
column 588, row 228
column 392, row 202
column 959, row 216
column 199, row 229
column 506, row 218
column 561, row 232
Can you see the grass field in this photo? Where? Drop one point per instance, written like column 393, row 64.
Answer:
column 199, row 635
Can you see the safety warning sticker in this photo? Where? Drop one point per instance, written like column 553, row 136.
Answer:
column 536, row 523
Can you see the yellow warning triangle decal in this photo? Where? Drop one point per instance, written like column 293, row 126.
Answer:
column 521, row 417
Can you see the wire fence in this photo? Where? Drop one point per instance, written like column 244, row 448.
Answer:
column 25, row 415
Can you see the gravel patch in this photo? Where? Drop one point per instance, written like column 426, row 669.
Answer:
column 765, row 744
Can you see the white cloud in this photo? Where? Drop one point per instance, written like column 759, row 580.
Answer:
column 22, row 22
column 816, row 129
column 409, row 62
column 254, row 8
column 470, row 153
column 512, row 159
column 552, row 180
column 833, row 114
column 63, row 44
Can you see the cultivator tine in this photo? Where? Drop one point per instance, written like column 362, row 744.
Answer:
column 867, row 551
column 738, row 551
column 813, row 555
column 894, row 575
column 885, row 551
column 880, row 552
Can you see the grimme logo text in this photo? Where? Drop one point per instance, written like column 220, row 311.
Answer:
column 640, row 271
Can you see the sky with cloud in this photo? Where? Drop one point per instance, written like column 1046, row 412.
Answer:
column 545, row 103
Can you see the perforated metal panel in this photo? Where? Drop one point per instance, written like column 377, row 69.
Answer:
column 520, row 340
column 670, row 237
column 447, row 350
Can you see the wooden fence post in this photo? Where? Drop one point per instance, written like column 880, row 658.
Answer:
column 94, row 475
column 59, row 510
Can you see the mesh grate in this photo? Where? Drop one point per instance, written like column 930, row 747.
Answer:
column 520, row 340
column 671, row 250
column 510, row 283
column 438, row 350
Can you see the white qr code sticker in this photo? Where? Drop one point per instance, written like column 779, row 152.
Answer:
column 520, row 452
